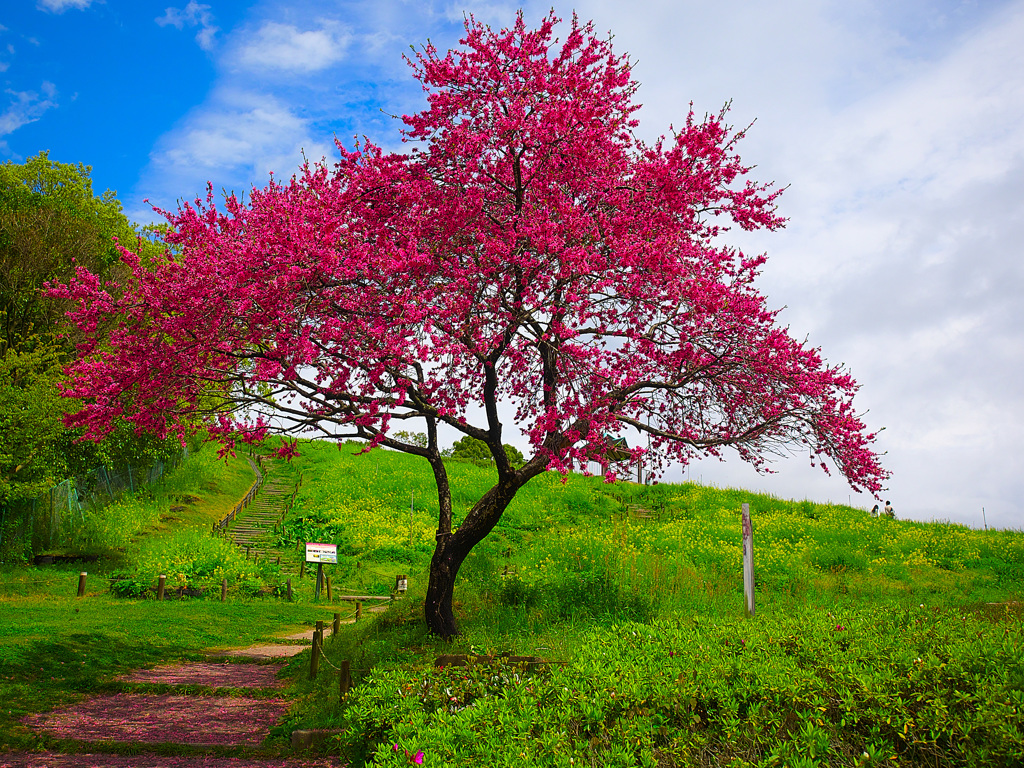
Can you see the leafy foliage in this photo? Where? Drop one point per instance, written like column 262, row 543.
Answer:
column 862, row 686
column 478, row 452
column 31, row 408
column 51, row 223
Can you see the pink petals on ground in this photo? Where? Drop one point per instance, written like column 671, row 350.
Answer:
column 205, row 720
column 210, row 675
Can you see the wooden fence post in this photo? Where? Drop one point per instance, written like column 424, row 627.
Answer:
column 345, row 679
column 160, row 583
column 359, row 610
column 314, row 659
column 336, row 624
column 289, row 583
column 81, row 583
column 223, row 590
column 748, row 561
column 327, row 580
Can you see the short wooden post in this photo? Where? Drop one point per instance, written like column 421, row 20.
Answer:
column 359, row 610
column 289, row 583
column 314, row 659
column 345, row 679
column 302, row 569
column 247, row 553
column 81, row 583
column 160, row 583
column 223, row 590
column 748, row 561
column 336, row 624
column 327, row 580
column 279, row 560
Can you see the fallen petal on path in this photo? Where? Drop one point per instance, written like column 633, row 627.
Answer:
column 207, row 720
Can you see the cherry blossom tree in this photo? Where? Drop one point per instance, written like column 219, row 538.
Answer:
column 526, row 250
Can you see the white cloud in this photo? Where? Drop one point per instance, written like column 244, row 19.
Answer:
column 192, row 15
column 900, row 128
column 286, row 47
column 59, row 6
column 234, row 141
column 26, row 107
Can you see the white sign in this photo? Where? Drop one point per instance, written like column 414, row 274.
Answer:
column 321, row 553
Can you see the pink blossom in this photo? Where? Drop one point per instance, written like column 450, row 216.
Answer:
column 531, row 252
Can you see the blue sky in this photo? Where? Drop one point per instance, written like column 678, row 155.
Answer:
column 899, row 128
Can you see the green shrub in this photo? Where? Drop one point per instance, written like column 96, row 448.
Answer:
column 595, row 594
column 126, row 585
column 838, row 557
column 514, row 592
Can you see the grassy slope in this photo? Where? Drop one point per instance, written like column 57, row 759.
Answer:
column 54, row 648
column 874, row 641
column 867, row 631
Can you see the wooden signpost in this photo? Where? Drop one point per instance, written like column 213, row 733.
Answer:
column 320, row 554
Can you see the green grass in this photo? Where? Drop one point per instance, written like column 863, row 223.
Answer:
column 875, row 641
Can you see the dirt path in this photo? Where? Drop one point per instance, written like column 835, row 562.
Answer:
column 241, row 703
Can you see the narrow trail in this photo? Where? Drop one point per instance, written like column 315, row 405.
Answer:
column 228, row 703
column 231, row 701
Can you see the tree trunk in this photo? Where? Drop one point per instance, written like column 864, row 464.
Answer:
column 444, row 567
column 453, row 548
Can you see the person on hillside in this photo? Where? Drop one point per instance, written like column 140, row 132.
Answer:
column 889, row 512
column 874, row 511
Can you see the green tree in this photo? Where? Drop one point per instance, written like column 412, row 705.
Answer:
column 31, row 429
column 51, row 222
column 476, row 451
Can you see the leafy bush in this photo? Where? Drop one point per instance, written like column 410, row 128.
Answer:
column 127, row 585
column 470, row 449
column 595, row 594
column 838, row 557
column 514, row 591
column 859, row 687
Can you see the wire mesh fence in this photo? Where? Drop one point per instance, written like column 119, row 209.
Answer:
column 36, row 525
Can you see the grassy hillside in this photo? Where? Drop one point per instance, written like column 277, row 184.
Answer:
column 673, row 547
column 875, row 642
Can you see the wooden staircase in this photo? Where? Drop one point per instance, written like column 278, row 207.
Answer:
column 253, row 526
